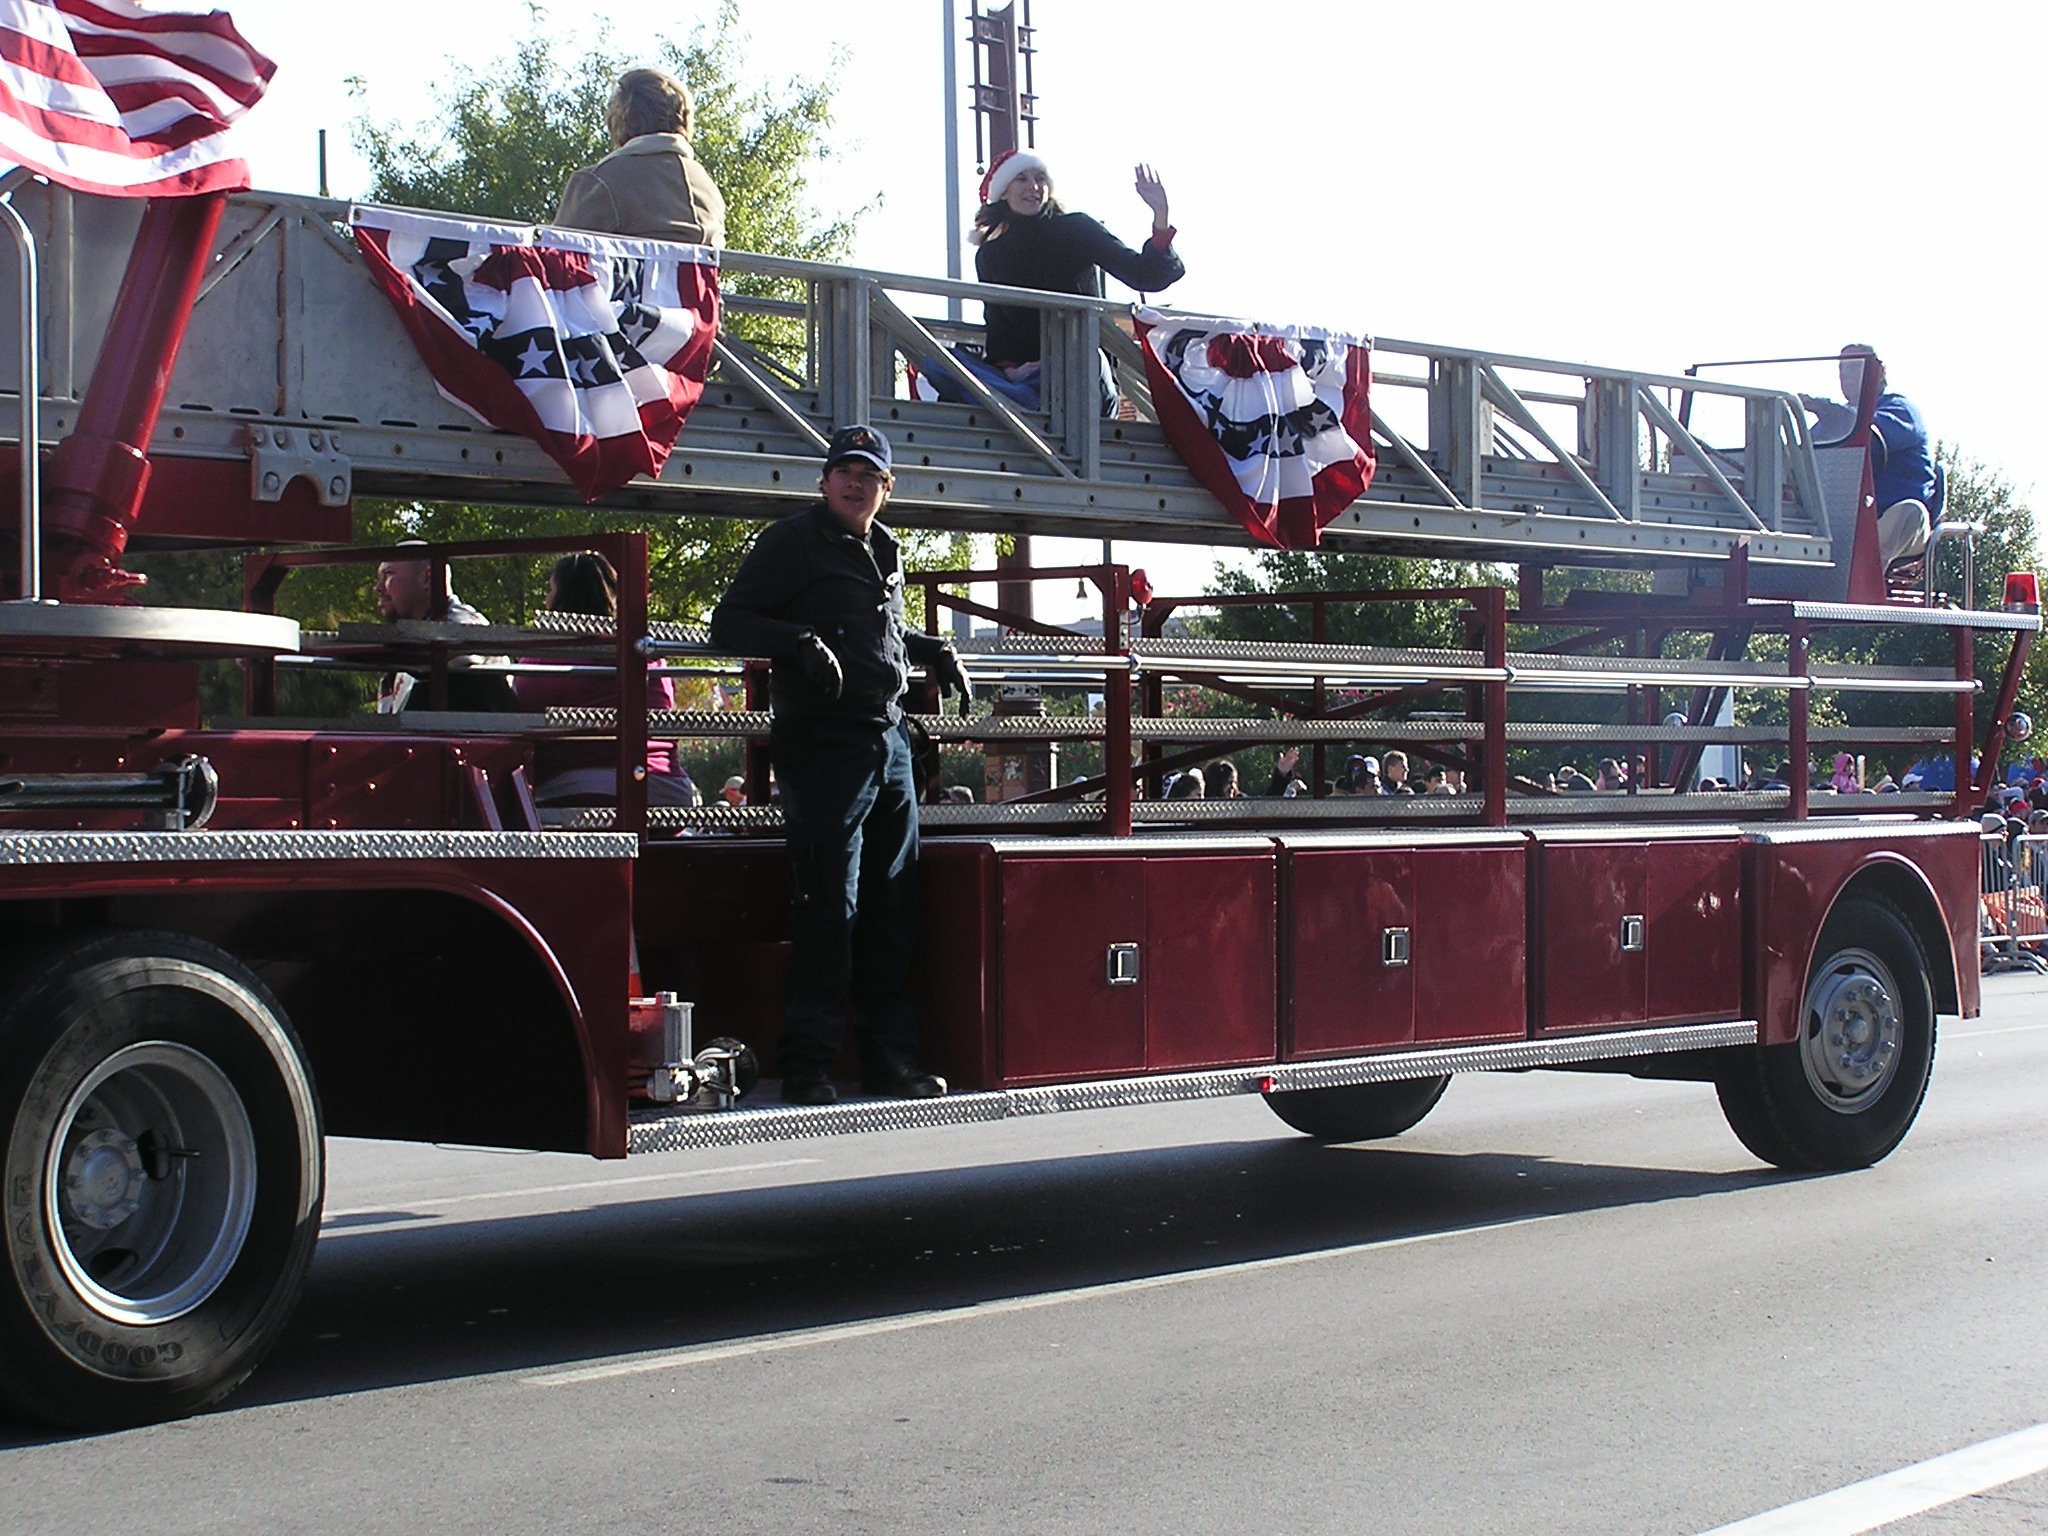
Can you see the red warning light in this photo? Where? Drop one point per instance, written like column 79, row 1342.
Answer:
column 2022, row 592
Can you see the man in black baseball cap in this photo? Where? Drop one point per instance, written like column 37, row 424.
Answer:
column 859, row 443
column 821, row 593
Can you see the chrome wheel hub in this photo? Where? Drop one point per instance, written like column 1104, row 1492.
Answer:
column 103, row 1180
column 150, row 1183
column 1853, row 1030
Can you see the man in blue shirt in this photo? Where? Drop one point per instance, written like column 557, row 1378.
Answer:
column 1905, row 481
column 1901, row 457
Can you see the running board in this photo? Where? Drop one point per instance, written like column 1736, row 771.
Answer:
column 669, row 1131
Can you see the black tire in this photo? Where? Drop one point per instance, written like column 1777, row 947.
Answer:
column 162, row 1173
column 1359, row 1111
column 1846, row 1092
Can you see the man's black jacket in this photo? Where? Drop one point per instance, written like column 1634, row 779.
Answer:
column 808, row 575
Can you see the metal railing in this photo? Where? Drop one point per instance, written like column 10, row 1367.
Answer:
column 2012, row 919
column 1493, row 717
column 1481, row 455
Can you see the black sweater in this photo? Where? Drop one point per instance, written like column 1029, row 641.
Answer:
column 807, row 574
column 1060, row 253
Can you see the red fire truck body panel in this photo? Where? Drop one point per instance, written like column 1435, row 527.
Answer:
column 1342, row 997
column 1458, row 916
column 1639, row 932
column 284, row 779
column 1796, row 878
column 421, row 1000
column 1694, row 901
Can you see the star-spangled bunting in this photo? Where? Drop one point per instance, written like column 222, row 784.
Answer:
column 1274, row 421
column 125, row 99
column 595, row 347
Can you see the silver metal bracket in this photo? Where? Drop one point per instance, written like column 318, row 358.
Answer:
column 1123, row 965
column 280, row 455
column 1631, row 935
column 1393, row 946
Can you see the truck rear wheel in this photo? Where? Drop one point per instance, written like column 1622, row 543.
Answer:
column 162, row 1175
column 1847, row 1090
column 1358, row 1111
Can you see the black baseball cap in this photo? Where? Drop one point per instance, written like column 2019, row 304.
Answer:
column 861, row 442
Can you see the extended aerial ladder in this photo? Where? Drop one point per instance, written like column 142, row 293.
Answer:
column 296, row 390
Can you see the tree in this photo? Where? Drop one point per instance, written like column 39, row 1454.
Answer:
column 503, row 140
column 1428, row 625
column 503, row 143
column 1978, row 494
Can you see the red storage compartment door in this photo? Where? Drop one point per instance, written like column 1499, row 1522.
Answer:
column 1594, row 926
column 1695, row 930
column 1061, row 1018
column 1470, row 944
column 1345, row 998
column 1208, row 968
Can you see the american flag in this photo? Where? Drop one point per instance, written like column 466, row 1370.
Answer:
column 1273, row 420
column 594, row 346
column 125, row 98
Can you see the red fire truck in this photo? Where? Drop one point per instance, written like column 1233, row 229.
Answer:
column 229, row 935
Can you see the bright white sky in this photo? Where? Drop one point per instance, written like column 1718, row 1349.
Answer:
column 1616, row 182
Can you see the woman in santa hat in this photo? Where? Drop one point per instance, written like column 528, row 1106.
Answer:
column 1025, row 239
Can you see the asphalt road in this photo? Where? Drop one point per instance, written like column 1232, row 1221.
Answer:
column 1562, row 1304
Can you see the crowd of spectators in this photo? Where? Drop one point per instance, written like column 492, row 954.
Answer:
column 1391, row 773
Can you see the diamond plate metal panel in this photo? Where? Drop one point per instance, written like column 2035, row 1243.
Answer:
column 1863, row 831
column 665, row 1132
column 43, row 848
column 1941, row 618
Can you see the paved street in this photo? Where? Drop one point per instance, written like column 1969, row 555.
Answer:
column 1562, row 1304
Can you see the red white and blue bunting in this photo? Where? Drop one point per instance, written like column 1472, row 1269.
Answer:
column 1273, row 420
column 594, row 346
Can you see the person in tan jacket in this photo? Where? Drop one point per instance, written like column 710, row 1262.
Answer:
column 651, row 186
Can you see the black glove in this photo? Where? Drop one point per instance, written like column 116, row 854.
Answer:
column 951, row 674
column 821, row 667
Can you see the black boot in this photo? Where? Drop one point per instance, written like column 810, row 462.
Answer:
column 808, row 1085
column 896, row 1075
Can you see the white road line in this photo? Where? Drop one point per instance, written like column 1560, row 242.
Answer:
column 804, row 1338
column 1978, row 1034
column 1909, row 1491
column 570, row 1189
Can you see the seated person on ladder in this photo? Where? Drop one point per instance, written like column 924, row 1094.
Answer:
column 1906, row 482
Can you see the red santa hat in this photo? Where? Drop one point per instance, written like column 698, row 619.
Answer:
column 1006, row 168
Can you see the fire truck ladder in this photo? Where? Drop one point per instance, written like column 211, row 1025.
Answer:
column 296, row 380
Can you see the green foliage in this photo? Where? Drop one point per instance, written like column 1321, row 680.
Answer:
column 1432, row 625
column 1422, row 625
column 508, row 134
column 1976, row 493
column 505, row 138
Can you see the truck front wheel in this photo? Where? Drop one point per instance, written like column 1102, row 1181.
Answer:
column 1358, row 1111
column 161, row 1174
column 1846, row 1091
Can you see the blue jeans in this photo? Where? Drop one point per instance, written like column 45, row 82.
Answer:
column 849, row 807
column 1022, row 392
